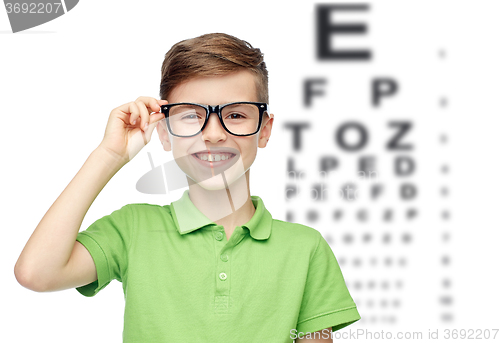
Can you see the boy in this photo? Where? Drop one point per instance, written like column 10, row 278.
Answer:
column 213, row 266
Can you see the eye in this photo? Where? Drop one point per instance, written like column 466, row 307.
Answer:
column 235, row 116
column 191, row 116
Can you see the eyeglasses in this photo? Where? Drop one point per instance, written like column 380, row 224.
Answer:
column 187, row 119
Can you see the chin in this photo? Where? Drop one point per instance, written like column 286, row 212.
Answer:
column 216, row 182
column 203, row 176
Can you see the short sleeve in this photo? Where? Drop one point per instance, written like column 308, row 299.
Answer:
column 107, row 241
column 326, row 301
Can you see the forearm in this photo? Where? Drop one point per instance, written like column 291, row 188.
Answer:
column 50, row 246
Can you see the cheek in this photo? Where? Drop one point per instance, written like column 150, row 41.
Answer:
column 178, row 148
column 251, row 150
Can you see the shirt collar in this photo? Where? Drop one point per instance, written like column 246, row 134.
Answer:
column 188, row 217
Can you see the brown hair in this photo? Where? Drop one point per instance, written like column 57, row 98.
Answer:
column 212, row 54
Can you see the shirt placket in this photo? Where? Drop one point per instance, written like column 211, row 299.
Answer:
column 223, row 249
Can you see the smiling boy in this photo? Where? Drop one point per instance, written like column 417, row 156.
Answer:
column 213, row 266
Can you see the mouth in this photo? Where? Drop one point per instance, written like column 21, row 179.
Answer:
column 214, row 157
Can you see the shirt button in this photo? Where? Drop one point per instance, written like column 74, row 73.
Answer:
column 218, row 236
column 222, row 276
column 224, row 257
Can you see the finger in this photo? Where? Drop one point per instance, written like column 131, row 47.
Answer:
column 126, row 111
column 149, row 131
column 152, row 104
column 134, row 111
column 162, row 102
column 144, row 114
column 156, row 117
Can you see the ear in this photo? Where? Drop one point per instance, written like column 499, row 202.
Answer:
column 162, row 130
column 265, row 130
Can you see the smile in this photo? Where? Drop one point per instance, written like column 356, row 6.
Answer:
column 214, row 157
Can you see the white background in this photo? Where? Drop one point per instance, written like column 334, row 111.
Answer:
column 59, row 82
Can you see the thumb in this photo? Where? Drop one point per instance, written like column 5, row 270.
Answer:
column 156, row 117
column 149, row 131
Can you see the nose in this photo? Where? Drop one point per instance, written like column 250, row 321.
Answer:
column 213, row 131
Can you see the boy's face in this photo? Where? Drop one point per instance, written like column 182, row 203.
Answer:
column 238, row 86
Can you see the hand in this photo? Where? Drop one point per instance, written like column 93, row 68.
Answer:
column 130, row 127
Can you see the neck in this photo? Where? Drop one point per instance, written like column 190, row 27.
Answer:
column 229, row 207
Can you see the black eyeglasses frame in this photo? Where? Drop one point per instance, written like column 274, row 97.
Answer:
column 262, row 106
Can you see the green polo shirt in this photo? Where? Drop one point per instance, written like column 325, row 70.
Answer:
column 183, row 281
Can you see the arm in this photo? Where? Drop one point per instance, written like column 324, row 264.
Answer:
column 322, row 336
column 52, row 258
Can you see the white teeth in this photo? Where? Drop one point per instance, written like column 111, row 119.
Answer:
column 215, row 157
